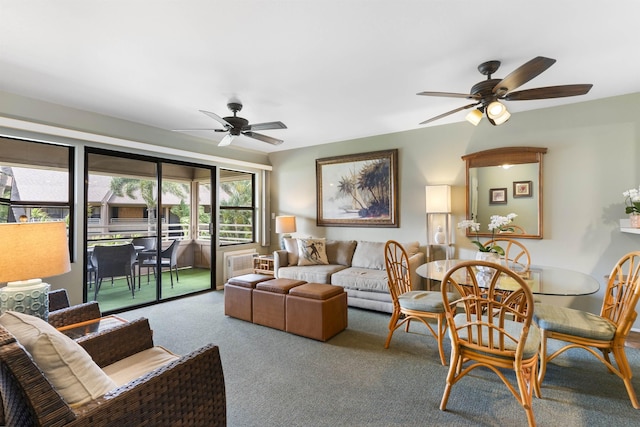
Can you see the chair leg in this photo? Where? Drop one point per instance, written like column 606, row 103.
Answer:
column 543, row 357
column 96, row 289
column 625, row 373
column 454, row 369
column 526, row 378
column 392, row 327
column 442, row 327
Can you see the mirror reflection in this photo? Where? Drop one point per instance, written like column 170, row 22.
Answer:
column 506, row 180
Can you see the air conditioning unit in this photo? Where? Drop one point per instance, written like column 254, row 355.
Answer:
column 237, row 263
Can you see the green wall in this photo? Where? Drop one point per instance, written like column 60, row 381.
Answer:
column 593, row 156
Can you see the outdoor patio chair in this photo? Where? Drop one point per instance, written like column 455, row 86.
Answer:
column 112, row 262
column 148, row 252
column 168, row 259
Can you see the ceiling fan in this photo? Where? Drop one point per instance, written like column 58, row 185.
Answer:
column 488, row 93
column 235, row 126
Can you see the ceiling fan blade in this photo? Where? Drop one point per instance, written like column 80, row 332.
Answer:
column 523, row 74
column 433, row 119
column 548, row 92
column 264, row 126
column 263, row 138
column 226, row 140
column 201, row 129
column 216, row 117
column 449, row 95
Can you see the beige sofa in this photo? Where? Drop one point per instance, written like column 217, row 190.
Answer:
column 358, row 267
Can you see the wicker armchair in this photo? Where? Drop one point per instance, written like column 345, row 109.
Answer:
column 61, row 313
column 187, row 392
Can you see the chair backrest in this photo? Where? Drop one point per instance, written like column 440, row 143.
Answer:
column 172, row 252
column 622, row 293
column 484, row 324
column 516, row 256
column 149, row 243
column 58, row 299
column 28, row 397
column 113, row 261
column 397, row 265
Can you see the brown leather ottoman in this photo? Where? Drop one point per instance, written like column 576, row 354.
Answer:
column 238, row 292
column 269, row 301
column 316, row 310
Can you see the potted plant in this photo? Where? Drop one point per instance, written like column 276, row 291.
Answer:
column 632, row 206
column 497, row 223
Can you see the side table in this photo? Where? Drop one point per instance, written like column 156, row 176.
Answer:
column 263, row 264
column 79, row 330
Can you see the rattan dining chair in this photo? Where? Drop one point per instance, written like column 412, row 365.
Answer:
column 408, row 304
column 506, row 339
column 605, row 333
column 516, row 256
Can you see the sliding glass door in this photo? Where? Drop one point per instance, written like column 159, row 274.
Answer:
column 150, row 210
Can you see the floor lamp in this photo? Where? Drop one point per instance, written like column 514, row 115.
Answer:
column 438, row 204
column 31, row 251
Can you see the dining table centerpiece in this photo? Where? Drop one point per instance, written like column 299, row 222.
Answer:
column 491, row 252
column 632, row 206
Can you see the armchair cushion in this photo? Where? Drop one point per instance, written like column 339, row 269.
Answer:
column 65, row 363
column 139, row 364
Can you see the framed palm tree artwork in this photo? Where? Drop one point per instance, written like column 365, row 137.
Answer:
column 358, row 190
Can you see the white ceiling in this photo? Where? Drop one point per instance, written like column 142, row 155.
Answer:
column 331, row 70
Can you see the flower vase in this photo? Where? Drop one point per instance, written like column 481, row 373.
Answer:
column 634, row 221
column 488, row 257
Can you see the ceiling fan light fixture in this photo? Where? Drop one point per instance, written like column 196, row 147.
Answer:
column 503, row 118
column 474, row 117
column 495, row 110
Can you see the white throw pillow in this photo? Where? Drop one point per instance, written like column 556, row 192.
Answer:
column 291, row 246
column 312, row 252
column 67, row 365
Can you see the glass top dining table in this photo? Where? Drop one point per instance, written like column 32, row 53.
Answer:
column 542, row 280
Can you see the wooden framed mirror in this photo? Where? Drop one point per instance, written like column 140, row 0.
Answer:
column 502, row 181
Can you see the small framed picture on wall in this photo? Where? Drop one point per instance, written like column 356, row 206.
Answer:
column 522, row 188
column 497, row 196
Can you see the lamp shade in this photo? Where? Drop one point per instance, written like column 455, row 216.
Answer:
column 438, row 198
column 474, row 117
column 286, row 224
column 33, row 250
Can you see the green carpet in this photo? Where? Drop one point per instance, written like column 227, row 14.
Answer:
column 277, row 379
column 118, row 297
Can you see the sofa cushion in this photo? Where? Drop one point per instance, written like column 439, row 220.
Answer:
column 364, row 279
column 340, row 252
column 369, row 255
column 312, row 252
column 291, row 246
column 310, row 273
column 139, row 364
column 67, row 366
column 411, row 247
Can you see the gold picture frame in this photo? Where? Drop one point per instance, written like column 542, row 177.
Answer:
column 358, row 190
